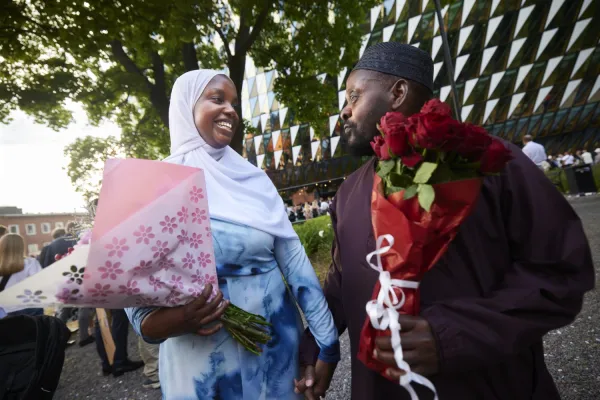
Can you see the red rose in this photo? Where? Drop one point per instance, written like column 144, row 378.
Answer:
column 380, row 148
column 434, row 131
column 495, row 157
column 410, row 160
column 435, row 106
column 392, row 122
column 393, row 125
column 474, row 142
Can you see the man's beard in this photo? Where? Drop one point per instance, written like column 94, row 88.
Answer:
column 361, row 143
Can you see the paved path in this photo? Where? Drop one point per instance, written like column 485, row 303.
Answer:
column 572, row 353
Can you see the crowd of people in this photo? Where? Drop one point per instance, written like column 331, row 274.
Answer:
column 306, row 211
column 537, row 153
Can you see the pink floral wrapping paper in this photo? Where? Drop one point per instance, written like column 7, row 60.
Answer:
column 151, row 244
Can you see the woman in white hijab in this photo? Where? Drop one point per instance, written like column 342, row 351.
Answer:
column 254, row 246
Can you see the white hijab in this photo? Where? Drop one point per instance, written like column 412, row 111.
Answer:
column 237, row 191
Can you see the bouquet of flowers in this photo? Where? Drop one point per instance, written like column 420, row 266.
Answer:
column 151, row 245
column 428, row 179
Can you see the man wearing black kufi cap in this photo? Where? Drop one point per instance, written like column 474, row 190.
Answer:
column 517, row 269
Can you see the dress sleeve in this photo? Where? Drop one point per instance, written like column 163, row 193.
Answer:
column 543, row 288
column 136, row 316
column 333, row 295
column 304, row 284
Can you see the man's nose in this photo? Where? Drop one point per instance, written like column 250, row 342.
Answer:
column 346, row 113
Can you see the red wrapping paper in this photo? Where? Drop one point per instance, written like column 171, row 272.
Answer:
column 420, row 239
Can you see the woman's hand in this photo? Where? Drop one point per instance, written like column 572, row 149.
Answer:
column 201, row 312
column 193, row 317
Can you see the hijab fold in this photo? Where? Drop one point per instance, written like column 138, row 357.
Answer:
column 237, row 191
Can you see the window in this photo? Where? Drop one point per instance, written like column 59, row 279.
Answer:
column 30, row 229
column 59, row 225
column 32, row 249
column 46, row 227
column 13, row 229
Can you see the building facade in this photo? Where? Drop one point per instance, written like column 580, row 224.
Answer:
column 520, row 67
column 36, row 229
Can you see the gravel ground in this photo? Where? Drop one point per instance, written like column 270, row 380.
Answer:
column 572, row 353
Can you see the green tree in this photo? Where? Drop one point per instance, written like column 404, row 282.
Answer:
column 119, row 58
column 86, row 160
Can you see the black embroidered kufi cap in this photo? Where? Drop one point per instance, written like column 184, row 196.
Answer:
column 402, row 60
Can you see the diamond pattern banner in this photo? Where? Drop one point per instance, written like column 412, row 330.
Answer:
column 520, row 67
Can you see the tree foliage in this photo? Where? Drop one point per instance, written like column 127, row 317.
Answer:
column 119, row 58
column 86, row 160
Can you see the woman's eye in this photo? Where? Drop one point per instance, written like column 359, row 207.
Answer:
column 353, row 98
column 218, row 100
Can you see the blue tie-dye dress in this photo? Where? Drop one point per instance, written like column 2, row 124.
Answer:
column 250, row 264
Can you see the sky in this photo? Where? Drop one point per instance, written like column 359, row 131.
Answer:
column 32, row 174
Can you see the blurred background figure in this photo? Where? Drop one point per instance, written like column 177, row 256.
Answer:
column 14, row 267
column 586, row 156
column 534, row 151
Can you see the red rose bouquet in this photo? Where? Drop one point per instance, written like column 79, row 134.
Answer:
column 428, row 179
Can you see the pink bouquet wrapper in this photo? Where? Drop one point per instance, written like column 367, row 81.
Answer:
column 151, row 242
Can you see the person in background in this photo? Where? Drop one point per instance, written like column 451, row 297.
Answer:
column 324, row 206
column 586, row 156
column 568, row 160
column 597, row 158
column 558, row 160
column 534, row 151
column 120, row 332
column 149, row 353
column 14, row 267
column 314, row 208
column 300, row 214
column 291, row 213
column 307, row 211
column 3, row 230
column 578, row 158
column 56, row 233
column 63, row 241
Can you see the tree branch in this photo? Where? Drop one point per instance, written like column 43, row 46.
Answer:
column 158, row 92
column 190, row 58
column 122, row 57
column 256, row 29
column 223, row 38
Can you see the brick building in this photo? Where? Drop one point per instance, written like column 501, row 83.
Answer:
column 36, row 229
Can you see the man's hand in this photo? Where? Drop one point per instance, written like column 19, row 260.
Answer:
column 418, row 345
column 315, row 380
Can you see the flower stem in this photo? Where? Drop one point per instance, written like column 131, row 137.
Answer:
column 247, row 329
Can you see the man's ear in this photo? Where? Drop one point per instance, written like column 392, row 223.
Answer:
column 399, row 94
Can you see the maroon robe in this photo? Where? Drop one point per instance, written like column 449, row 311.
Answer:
column 517, row 269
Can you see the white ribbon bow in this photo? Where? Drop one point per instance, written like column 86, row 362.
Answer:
column 383, row 314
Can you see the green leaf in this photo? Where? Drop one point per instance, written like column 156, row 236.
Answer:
column 443, row 173
column 402, row 181
column 385, row 167
column 410, row 192
column 391, row 189
column 424, row 172
column 426, row 196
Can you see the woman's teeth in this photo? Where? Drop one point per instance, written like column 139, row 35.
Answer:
column 224, row 125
